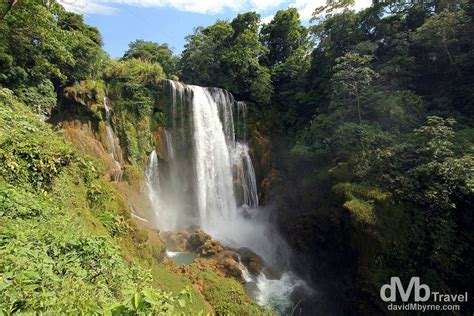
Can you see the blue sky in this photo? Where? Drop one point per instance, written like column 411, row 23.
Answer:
column 169, row 21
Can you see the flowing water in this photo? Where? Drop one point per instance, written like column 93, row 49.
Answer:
column 112, row 145
column 208, row 180
column 152, row 179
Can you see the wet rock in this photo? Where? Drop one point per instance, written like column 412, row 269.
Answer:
column 197, row 240
column 271, row 274
column 251, row 260
column 229, row 252
column 210, row 248
column 231, row 268
column 160, row 141
column 225, row 263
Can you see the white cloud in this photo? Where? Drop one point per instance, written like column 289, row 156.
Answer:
column 305, row 7
column 262, row 5
column 362, row 4
column 84, row 6
column 200, row 6
column 267, row 19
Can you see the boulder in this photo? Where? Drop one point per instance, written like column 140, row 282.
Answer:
column 251, row 260
column 210, row 248
column 197, row 239
column 231, row 269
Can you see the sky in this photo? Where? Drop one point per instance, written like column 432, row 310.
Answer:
column 170, row 21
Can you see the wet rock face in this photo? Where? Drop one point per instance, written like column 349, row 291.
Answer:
column 262, row 159
column 251, row 260
column 197, row 239
column 225, row 263
column 210, row 248
column 83, row 115
column 231, row 268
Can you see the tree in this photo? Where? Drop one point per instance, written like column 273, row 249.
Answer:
column 245, row 76
column 154, row 53
column 227, row 55
column 9, row 5
column 437, row 185
column 439, row 33
column 284, row 36
column 41, row 43
column 352, row 76
column 332, row 6
column 288, row 57
column 200, row 61
column 245, row 21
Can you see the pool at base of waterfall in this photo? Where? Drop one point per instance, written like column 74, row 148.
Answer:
column 181, row 257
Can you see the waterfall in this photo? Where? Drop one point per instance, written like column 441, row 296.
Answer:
column 169, row 145
column 242, row 120
column 207, row 179
column 152, row 175
column 244, row 174
column 152, row 180
column 214, row 183
column 208, row 174
column 275, row 293
column 112, row 145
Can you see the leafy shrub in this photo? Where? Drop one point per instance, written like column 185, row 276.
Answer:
column 142, row 72
column 29, row 151
column 41, row 98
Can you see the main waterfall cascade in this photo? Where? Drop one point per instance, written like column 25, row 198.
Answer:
column 208, row 180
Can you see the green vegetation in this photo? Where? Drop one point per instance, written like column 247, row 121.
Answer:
column 227, row 55
column 45, row 46
column 61, row 225
column 371, row 121
column 153, row 53
column 133, row 86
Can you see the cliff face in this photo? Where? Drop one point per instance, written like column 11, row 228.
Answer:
column 262, row 158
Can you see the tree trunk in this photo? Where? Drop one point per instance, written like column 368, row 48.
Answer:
column 358, row 108
column 450, row 57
